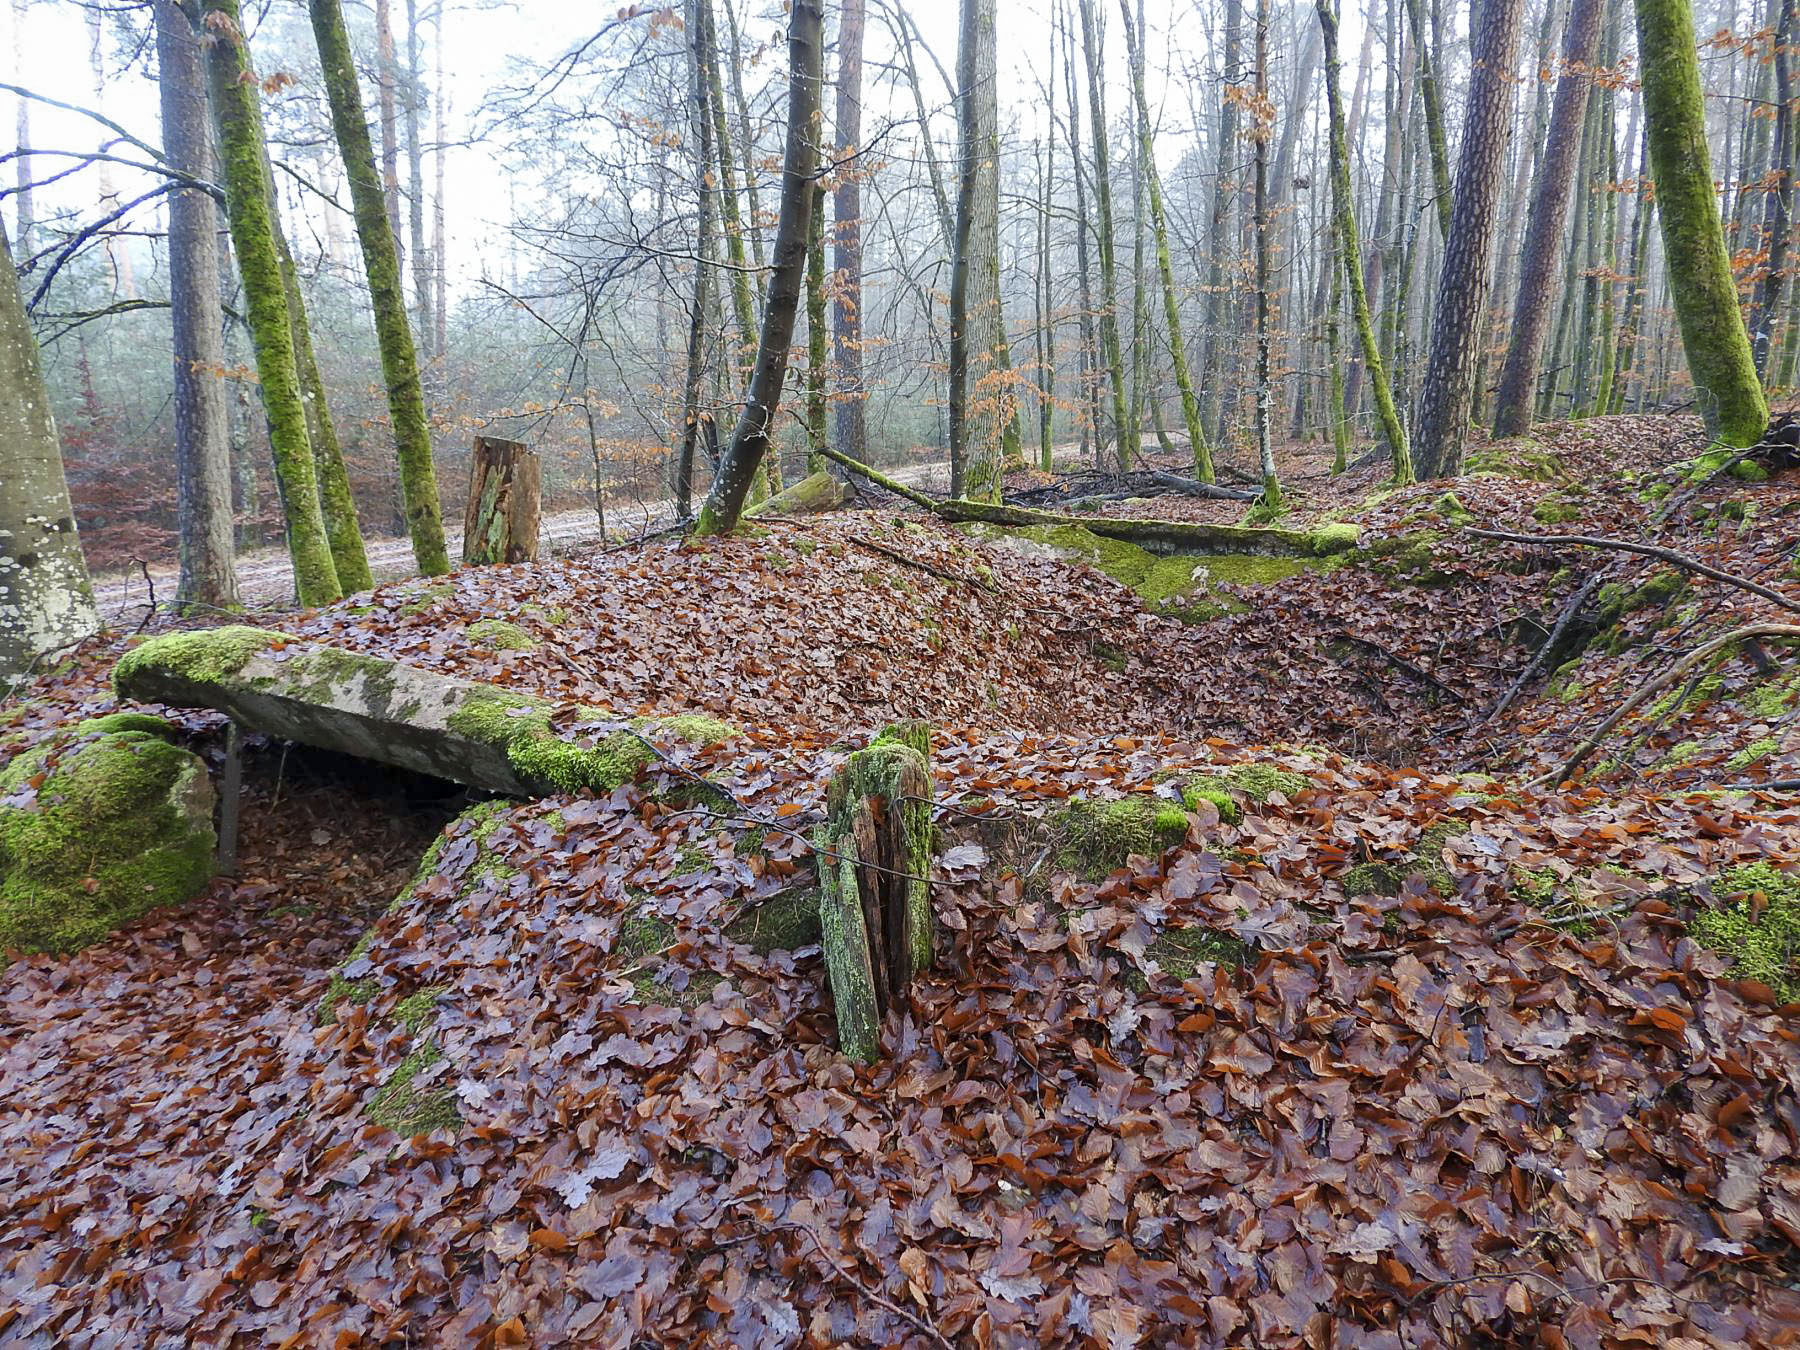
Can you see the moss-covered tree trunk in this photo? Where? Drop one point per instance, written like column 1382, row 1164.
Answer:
column 343, row 530
column 1700, row 279
column 1350, row 249
column 233, row 90
column 381, row 260
column 750, row 441
column 1184, row 380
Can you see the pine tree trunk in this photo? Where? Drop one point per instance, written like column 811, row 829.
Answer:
column 381, row 260
column 45, row 599
column 750, row 441
column 202, row 440
column 1463, row 281
column 233, row 90
column 1705, row 292
column 1543, row 233
column 1111, row 353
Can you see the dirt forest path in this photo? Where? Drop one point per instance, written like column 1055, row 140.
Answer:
column 266, row 579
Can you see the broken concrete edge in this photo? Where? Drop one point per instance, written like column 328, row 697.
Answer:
column 812, row 495
column 1171, row 537
column 369, row 706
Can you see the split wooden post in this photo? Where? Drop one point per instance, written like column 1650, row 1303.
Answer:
column 874, row 884
column 500, row 521
column 231, row 793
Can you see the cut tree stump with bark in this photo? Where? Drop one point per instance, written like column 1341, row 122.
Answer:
column 500, row 523
column 874, row 884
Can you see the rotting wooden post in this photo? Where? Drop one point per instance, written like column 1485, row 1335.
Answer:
column 500, row 522
column 875, row 893
column 230, row 798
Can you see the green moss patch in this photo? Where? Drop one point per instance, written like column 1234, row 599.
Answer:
column 205, row 657
column 1098, row 836
column 1426, row 861
column 96, row 828
column 500, row 636
column 1757, row 927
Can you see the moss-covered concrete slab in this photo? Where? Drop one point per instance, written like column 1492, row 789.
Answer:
column 1170, row 537
column 363, row 705
column 98, row 827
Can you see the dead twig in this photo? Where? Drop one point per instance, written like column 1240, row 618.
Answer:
column 1649, row 550
column 1675, row 672
column 907, row 560
column 1542, row 656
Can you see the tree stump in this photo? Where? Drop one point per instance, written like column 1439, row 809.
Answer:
column 874, row 888
column 500, row 522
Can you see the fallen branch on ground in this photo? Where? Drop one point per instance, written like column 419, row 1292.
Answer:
column 1675, row 672
column 1649, row 550
column 1538, row 661
column 878, row 478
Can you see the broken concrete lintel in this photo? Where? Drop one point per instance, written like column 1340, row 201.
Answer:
column 368, row 706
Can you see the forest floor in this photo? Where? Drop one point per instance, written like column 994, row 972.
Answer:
column 1380, row 1043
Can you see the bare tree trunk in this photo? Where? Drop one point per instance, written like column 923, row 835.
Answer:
column 818, row 361
column 1111, row 353
column 1778, row 205
column 415, row 181
column 1463, row 281
column 22, row 166
column 846, row 210
column 700, row 126
column 1350, row 250
column 390, row 124
column 746, row 142
column 1543, row 235
column 439, row 264
column 1090, row 385
column 1219, row 233
column 750, row 441
column 1265, row 452
column 202, row 442
column 1190, row 403
column 45, row 599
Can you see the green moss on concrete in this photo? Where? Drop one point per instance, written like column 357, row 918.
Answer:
column 500, row 636
column 1260, row 782
column 318, row 675
column 208, row 656
column 120, row 823
column 1332, row 538
column 1750, row 754
column 1757, row 926
column 1451, row 508
column 1098, row 836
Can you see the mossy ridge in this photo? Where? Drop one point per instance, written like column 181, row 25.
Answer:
column 120, row 823
column 1518, row 458
column 1757, row 927
column 204, row 656
column 520, row 725
column 1426, row 860
column 1177, row 585
column 500, row 636
column 428, row 597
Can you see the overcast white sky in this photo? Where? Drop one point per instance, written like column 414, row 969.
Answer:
column 485, row 40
